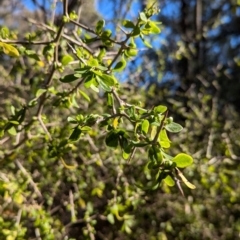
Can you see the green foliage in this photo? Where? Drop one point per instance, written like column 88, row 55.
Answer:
column 72, row 135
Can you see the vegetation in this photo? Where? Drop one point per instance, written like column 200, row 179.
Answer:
column 87, row 154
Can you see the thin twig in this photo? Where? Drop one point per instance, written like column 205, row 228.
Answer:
column 25, row 42
column 71, row 200
column 33, row 184
column 19, row 215
column 160, row 127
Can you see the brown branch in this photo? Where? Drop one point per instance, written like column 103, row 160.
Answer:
column 25, row 42
column 160, row 127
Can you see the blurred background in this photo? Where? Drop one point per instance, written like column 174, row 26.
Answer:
column 193, row 68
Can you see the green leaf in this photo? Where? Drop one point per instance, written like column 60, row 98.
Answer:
column 13, row 109
column 126, row 155
column 104, row 86
column 14, row 122
column 1, row 133
column 183, row 160
column 97, row 72
column 131, row 52
column 154, row 28
column 90, row 80
column 32, row 54
column 66, row 59
column 85, row 95
column 155, row 154
column 164, row 140
column 92, row 62
column 12, row 131
column 166, row 156
column 143, row 17
column 139, row 144
column 160, row 109
column 94, row 88
column 82, row 70
column 173, row 127
column 9, row 49
column 169, row 181
column 136, row 31
column 109, row 80
column 4, row 32
column 69, row 78
column 75, row 134
column 99, row 26
column 110, row 99
column 101, row 54
column 106, row 35
column 146, row 43
column 120, row 65
column 112, row 140
column 86, row 129
column 145, row 126
column 127, row 150
column 72, row 120
column 110, row 218
column 102, row 68
column 128, row 24
column 40, row 92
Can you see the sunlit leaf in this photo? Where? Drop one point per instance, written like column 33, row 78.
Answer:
column 110, row 218
column 9, row 50
column 85, row 95
column 145, row 126
column 115, row 122
column 183, row 160
column 164, row 140
column 72, row 120
column 66, row 59
column 12, row 131
column 160, row 109
column 169, row 181
column 40, row 92
column 143, row 17
column 154, row 28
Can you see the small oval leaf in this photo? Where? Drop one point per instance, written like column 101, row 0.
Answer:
column 128, row 24
column 160, row 109
column 12, row 131
column 66, row 59
column 169, row 181
column 183, row 160
column 145, row 126
column 173, row 127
